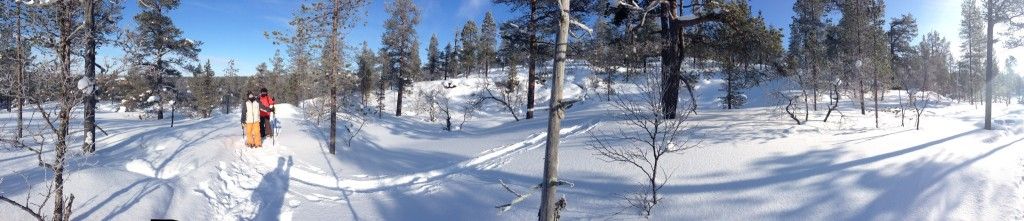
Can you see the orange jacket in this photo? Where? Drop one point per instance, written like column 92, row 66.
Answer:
column 266, row 105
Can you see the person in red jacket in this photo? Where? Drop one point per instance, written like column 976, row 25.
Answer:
column 266, row 107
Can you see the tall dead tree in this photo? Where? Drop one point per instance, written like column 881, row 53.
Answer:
column 549, row 208
column 555, row 113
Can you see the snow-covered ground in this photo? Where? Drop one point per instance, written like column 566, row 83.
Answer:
column 752, row 164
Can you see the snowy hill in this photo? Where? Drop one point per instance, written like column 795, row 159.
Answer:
column 751, row 164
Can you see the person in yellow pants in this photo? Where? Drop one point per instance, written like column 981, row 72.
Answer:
column 251, row 121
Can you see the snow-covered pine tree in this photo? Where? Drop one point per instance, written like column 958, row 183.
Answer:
column 384, row 77
column 972, row 29
column 160, row 48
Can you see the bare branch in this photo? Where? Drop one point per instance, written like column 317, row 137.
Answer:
column 22, row 207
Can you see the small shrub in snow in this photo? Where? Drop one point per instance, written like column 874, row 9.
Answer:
column 648, row 138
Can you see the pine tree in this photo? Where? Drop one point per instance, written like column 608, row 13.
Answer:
column 299, row 43
column 807, row 43
column 446, row 61
column 470, row 47
column 1010, row 12
column 383, row 79
column 327, row 20
column 972, row 28
column 161, row 48
column 534, row 15
column 901, row 31
column 434, row 58
column 488, row 42
column 262, row 77
column 231, row 92
column 862, row 41
column 100, row 21
column 365, row 73
column 399, row 41
column 204, row 90
column 746, row 42
column 932, row 57
column 275, row 84
column 603, row 54
column 673, row 26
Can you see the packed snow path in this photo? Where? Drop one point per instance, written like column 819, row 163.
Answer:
column 749, row 167
column 157, row 166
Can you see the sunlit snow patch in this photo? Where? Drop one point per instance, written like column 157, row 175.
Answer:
column 146, row 169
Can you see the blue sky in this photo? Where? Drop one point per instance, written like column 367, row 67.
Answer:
column 233, row 29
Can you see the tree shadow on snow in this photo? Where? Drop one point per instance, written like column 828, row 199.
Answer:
column 115, row 152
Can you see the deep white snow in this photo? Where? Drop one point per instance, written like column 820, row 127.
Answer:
column 753, row 164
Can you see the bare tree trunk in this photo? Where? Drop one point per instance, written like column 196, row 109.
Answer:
column 903, row 111
column 89, row 121
column 401, row 91
column 532, row 69
column 555, row 113
column 64, row 114
column 728, row 89
column 671, row 60
column 989, row 73
column 334, row 42
column 814, row 86
column 159, row 70
column 608, row 81
column 874, row 92
column 860, row 92
column 20, row 58
column 693, row 98
column 835, row 96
